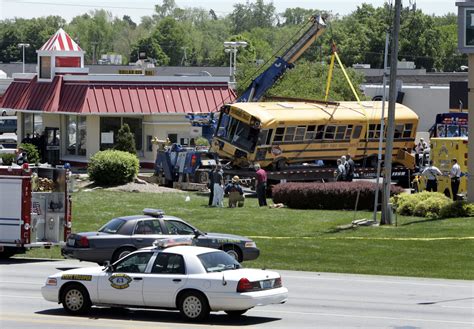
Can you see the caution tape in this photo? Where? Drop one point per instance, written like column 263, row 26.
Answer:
column 360, row 238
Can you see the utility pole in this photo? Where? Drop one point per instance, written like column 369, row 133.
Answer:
column 23, row 45
column 386, row 209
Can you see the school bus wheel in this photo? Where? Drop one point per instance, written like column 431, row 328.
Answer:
column 280, row 164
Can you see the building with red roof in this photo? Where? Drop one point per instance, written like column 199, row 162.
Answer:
column 81, row 113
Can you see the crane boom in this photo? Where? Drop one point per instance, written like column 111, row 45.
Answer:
column 267, row 79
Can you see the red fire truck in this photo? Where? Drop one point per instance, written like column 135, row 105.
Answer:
column 35, row 208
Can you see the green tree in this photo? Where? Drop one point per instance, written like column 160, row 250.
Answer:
column 125, row 140
column 247, row 16
column 152, row 49
column 171, row 37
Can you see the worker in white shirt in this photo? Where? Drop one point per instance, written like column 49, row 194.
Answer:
column 455, row 175
column 431, row 173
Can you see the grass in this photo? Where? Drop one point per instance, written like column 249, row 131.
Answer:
column 307, row 240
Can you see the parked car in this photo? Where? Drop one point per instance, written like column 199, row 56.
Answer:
column 8, row 141
column 122, row 235
column 7, row 124
column 195, row 280
column 6, row 112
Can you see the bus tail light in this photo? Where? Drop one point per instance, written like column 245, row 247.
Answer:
column 193, row 160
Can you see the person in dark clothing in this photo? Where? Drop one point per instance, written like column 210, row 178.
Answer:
column 431, row 173
column 349, row 166
column 261, row 185
column 210, row 184
column 27, row 139
column 235, row 192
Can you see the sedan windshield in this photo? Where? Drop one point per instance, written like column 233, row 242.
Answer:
column 218, row 261
column 113, row 226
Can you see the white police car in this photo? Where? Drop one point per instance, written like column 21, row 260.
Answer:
column 195, row 280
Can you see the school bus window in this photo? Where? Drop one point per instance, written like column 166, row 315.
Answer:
column 408, row 130
column 329, row 133
column 269, row 137
column 310, row 133
column 320, row 132
column 398, row 132
column 340, row 132
column 357, row 131
column 279, row 134
column 348, row 132
column 299, row 136
column 262, row 137
column 374, row 131
column 289, row 134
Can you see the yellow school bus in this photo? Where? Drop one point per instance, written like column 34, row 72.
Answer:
column 443, row 151
column 280, row 133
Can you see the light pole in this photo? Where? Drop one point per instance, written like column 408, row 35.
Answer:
column 231, row 48
column 23, row 45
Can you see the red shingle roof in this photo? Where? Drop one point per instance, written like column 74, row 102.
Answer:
column 83, row 97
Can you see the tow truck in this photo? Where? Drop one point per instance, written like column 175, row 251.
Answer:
column 35, row 208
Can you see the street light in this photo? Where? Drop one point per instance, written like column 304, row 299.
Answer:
column 231, row 48
column 24, row 45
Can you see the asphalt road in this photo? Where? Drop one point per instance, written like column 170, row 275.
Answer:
column 317, row 300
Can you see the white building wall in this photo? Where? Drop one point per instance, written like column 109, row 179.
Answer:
column 425, row 101
column 93, row 135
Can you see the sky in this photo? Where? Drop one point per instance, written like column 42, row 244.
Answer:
column 138, row 8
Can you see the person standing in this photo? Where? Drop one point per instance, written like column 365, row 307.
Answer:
column 261, row 185
column 455, row 175
column 431, row 173
column 211, row 185
column 218, row 197
column 340, row 171
column 349, row 167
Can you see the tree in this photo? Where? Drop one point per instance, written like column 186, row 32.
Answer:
column 247, row 16
column 171, row 37
column 125, row 140
column 152, row 49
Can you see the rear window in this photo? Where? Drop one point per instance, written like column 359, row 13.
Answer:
column 113, row 226
column 218, row 261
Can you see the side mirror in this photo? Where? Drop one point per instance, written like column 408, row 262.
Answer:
column 197, row 233
column 108, row 267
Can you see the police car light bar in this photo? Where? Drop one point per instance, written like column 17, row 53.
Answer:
column 167, row 243
column 153, row 212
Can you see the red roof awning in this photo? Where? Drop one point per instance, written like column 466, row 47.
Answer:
column 116, row 97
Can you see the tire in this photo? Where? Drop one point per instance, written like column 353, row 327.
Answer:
column 7, row 253
column 234, row 252
column 75, row 299
column 235, row 314
column 193, row 306
column 201, row 177
column 121, row 252
column 280, row 164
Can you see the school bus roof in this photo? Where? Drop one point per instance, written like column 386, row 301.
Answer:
column 302, row 112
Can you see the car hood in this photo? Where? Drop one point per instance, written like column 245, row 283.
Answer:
column 221, row 236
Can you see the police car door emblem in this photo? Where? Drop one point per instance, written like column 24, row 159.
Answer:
column 120, row 281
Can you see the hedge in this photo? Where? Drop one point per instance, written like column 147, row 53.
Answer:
column 332, row 195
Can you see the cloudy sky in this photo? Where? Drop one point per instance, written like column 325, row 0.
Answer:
column 139, row 8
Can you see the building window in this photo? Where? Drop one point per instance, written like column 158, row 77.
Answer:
column 76, row 134
column 45, row 67
column 109, row 127
column 32, row 124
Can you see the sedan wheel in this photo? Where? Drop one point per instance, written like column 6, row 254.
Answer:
column 194, row 306
column 234, row 252
column 122, row 252
column 76, row 300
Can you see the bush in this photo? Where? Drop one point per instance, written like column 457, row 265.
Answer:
column 424, row 204
column 334, row 195
column 201, row 141
column 125, row 140
column 32, row 153
column 457, row 209
column 113, row 167
column 8, row 158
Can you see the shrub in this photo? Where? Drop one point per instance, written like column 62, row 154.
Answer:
column 125, row 140
column 333, row 195
column 457, row 209
column 113, row 167
column 8, row 158
column 201, row 141
column 424, row 204
column 32, row 153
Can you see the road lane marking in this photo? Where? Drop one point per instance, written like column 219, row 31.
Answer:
column 364, row 316
column 358, row 238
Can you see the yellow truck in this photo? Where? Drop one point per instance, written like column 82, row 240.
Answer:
column 443, row 150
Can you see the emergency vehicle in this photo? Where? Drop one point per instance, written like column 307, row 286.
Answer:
column 35, row 208
column 443, row 151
